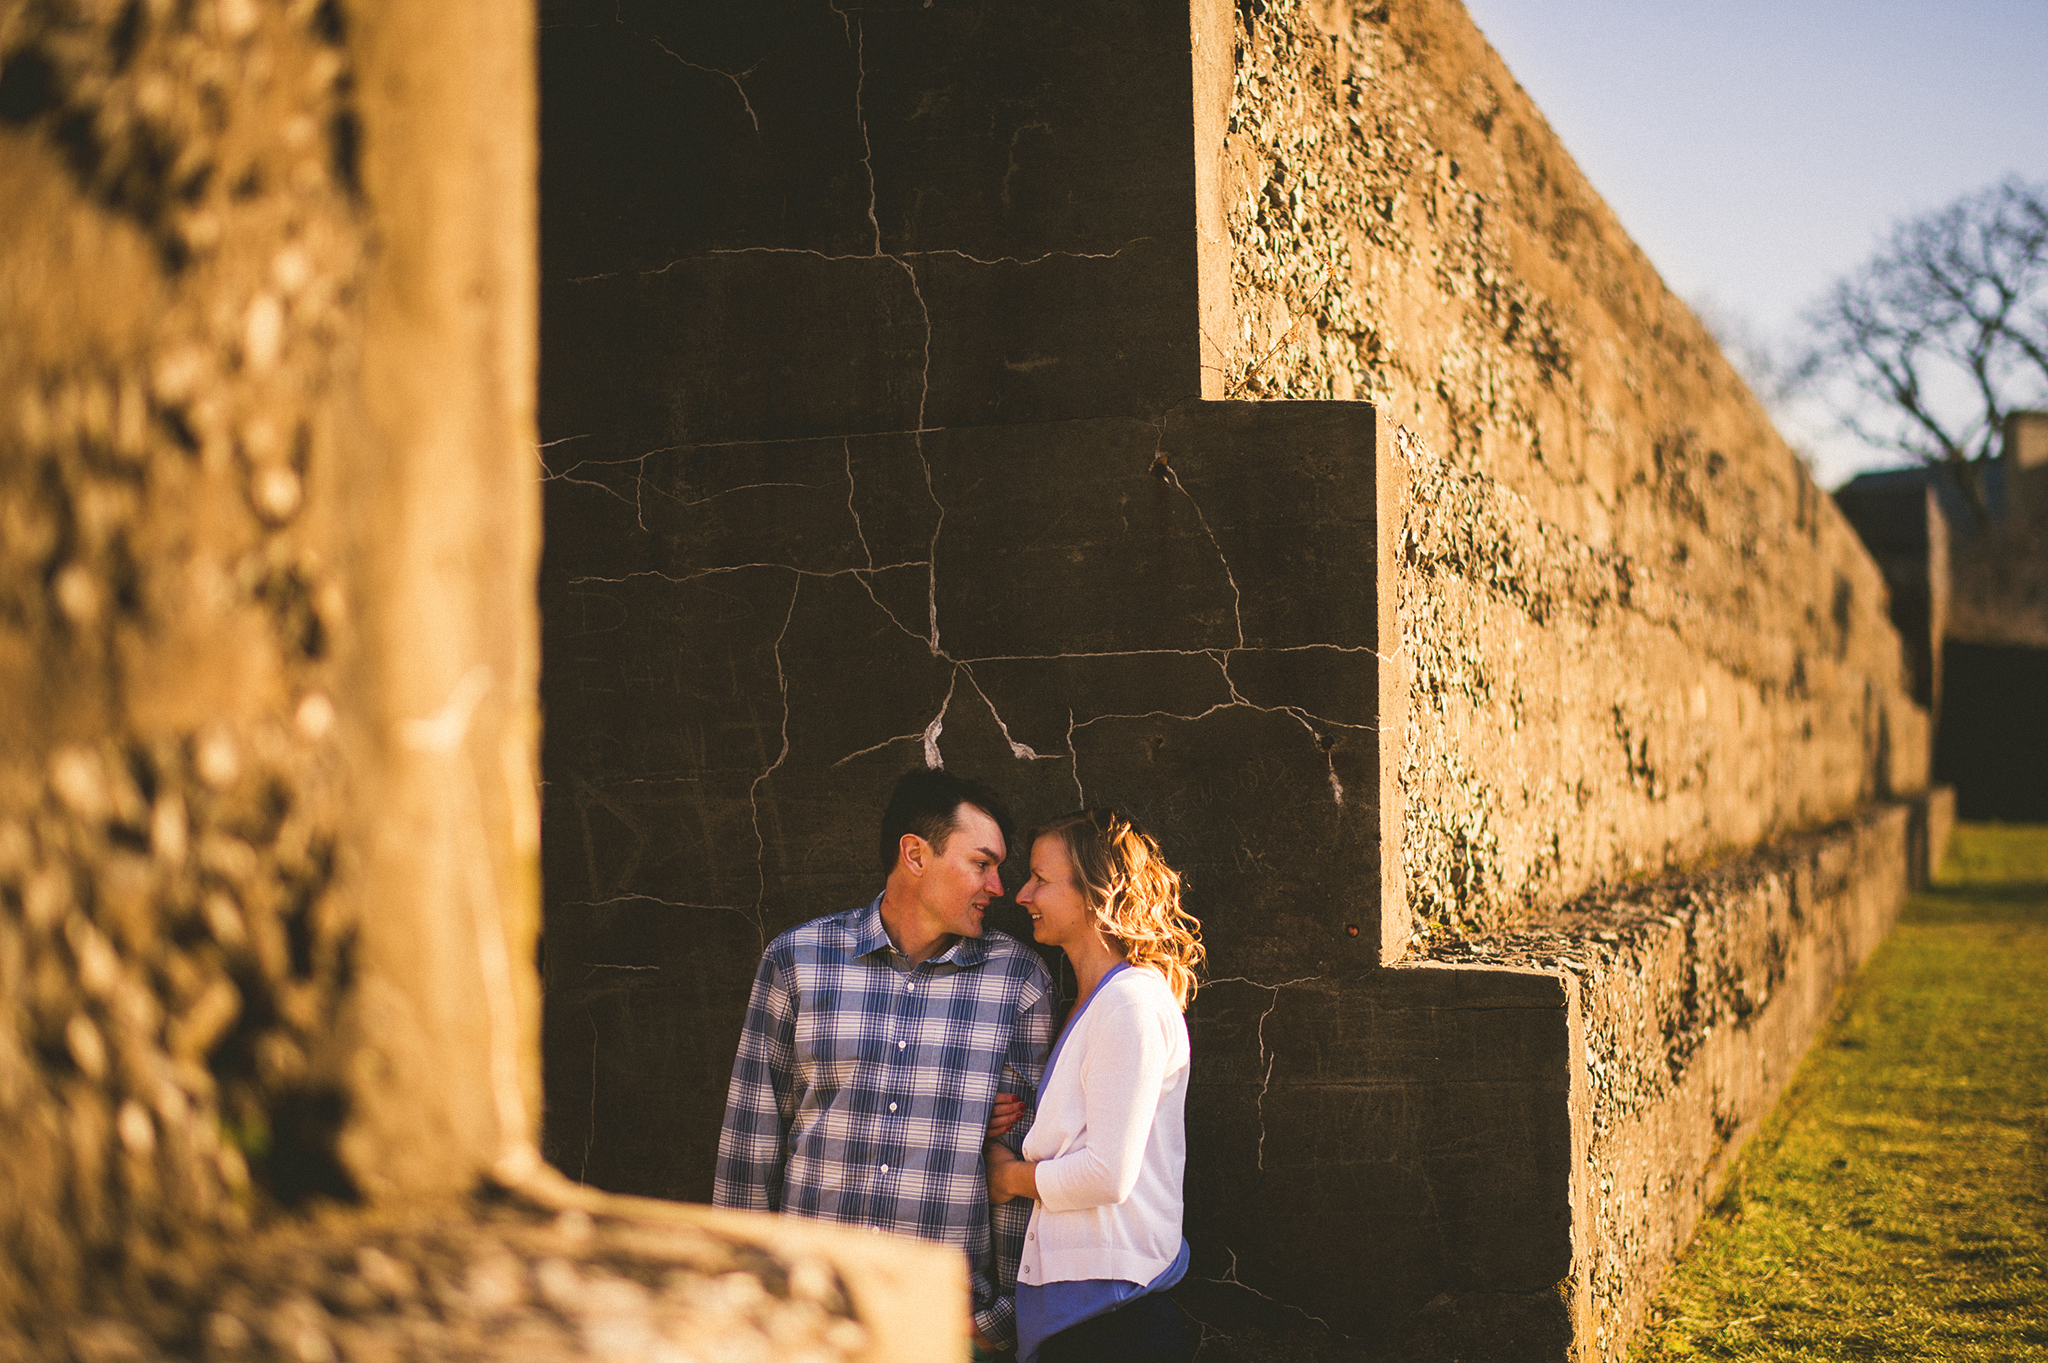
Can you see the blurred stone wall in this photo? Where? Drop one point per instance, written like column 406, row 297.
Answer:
column 258, row 598
column 181, row 274
column 1639, row 633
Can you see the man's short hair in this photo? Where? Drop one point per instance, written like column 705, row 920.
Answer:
column 927, row 802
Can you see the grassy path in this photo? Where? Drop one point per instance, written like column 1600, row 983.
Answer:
column 1895, row 1205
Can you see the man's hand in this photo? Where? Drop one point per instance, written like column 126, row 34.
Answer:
column 1009, row 1107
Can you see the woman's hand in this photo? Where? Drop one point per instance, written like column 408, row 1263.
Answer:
column 1008, row 1177
column 1001, row 1117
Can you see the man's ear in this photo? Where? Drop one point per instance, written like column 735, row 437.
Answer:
column 913, row 850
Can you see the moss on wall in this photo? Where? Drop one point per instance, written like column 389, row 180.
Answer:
column 1638, row 634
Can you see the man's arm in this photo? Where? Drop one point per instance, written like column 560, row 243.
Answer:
column 1030, row 1036
column 760, row 1103
column 1030, row 1044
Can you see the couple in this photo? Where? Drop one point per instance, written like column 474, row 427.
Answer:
column 892, row 1056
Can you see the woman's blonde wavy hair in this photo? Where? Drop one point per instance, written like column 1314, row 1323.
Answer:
column 1134, row 894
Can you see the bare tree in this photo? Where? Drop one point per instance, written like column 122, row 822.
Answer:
column 1943, row 331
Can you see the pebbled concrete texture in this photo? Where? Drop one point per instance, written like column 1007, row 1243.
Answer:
column 182, row 289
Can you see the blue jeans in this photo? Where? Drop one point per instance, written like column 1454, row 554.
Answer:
column 1147, row 1329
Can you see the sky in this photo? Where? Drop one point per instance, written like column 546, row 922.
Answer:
column 1759, row 151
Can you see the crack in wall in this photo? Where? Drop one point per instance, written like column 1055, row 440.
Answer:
column 846, row 443
column 856, row 38
column 1021, row 751
column 590, row 1130
column 932, row 760
column 735, row 78
column 1040, row 258
column 1080, row 795
column 754, row 790
column 1160, row 467
column 1265, row 1058
column 640, row 489
column 877, row 747
column 656, row 899
column 639, row 479
column 924, row 386
column 899, row 257
column 683, row 579
column 1230, row 1279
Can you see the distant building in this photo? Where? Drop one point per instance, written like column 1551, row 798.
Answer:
column 1968, row 569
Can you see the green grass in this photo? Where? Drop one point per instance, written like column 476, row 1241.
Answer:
column 1895, row 1205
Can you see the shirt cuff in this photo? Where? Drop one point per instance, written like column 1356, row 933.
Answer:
column 998, row 1321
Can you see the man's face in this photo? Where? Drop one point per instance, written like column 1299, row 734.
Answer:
column 959, row 882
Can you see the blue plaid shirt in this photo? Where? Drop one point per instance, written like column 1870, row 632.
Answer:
column 863, row 1085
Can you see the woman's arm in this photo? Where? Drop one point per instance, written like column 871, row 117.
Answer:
column 1123, row 1072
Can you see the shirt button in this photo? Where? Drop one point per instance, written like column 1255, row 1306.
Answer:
column 892, row 1107
column 910, row 986
column 901, row 1044
column 885, row 1168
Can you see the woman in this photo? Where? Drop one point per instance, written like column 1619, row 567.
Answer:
column 1105, row 1156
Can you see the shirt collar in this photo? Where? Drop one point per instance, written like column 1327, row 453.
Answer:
column 868, row 933
column 869, row 936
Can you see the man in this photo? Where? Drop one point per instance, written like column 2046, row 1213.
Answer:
column 877, row 1041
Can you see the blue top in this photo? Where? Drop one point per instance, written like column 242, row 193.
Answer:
column 1045, row 1310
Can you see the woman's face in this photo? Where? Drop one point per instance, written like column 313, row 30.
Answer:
column 1058, row 909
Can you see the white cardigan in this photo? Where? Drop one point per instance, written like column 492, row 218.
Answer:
column 1111, row 1133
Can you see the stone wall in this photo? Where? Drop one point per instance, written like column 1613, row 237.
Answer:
column 268, row 828
column 909, row 396
column 1639, row 633
column 183, row 271
column 1699, row 995
column 2001, row 583
column 1969, row 579
column 1906, row 531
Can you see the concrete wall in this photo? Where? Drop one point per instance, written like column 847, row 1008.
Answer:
column 2001, row 583
column 268, row 655
column 763, row 607
column 907, row 397
column 1906, row 531
column 1970, row 597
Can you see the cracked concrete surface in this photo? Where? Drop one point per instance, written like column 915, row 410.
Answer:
column 878, row 433
column 1266, row 1059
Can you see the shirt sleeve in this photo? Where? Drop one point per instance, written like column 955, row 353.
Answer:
column 1030, row 1036
column 1123, row 1071
column 760, row 1103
